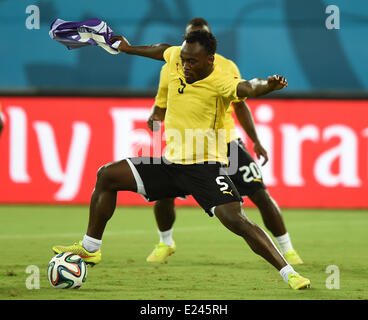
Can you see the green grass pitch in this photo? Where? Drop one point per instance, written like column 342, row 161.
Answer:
column 210, row 263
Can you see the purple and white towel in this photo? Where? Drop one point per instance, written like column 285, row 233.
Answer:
column 80, row 34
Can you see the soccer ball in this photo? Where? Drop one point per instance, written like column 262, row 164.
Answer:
column 67, row 270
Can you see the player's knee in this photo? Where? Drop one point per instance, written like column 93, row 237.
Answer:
column 100, row 172
column 262, row 199
column 232, row 217
column 103, row 175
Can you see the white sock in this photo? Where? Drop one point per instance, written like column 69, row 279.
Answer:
column 285, row 271
column 166, row 236
column 91, row 244
column 284, row 243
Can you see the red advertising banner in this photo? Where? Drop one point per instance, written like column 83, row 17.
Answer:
column 52, row 147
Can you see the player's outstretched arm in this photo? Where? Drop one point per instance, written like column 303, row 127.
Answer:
column 245, row 119
column 258, row 87
column 154, row 51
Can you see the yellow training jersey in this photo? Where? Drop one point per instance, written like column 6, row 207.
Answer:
column 195, row 117
column 161, row 96
column 226, row 64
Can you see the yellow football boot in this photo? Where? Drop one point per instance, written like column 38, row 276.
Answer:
column 91, row 258
column 292, row 257
column 161, row 252
column 297, row 282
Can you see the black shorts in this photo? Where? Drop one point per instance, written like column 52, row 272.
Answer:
column 208, row 183
column 248, row 176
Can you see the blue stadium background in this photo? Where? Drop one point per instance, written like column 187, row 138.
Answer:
column 263, row 37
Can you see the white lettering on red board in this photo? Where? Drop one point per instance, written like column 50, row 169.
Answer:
column 127, row 139
column 70, row 178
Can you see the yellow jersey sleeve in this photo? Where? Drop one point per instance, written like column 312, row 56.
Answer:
column 227, row 85
column 234, row 70
column 169, row 52
column 161, row 96
column 230, row 67
column 229, row 123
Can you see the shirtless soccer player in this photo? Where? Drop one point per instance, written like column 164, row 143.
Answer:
column 199, row 93
column 247, row 178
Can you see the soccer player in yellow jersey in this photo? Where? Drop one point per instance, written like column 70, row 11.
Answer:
column 199, row 92
column 247, row 178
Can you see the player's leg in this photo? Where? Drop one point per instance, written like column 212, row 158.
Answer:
column 165, row 216
column 111, row 178
column 270, row 212
column 272, row 218
column 216, row 193
column 151, row 178
column 233, row 218
column 248, row 180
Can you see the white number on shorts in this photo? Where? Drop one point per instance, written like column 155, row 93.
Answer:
column 251, row 172
column 224, row 185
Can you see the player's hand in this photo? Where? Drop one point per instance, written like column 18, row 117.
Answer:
column 277, row 82
column 154, row 122
column 260, row 152
column 123, row 45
